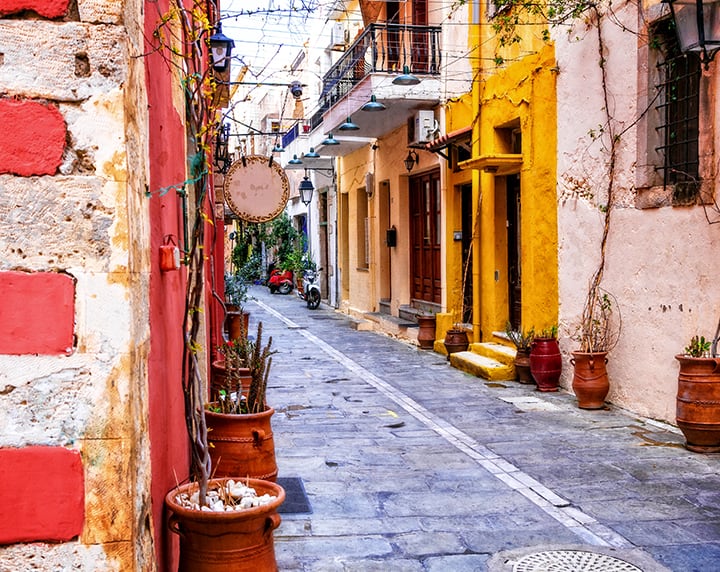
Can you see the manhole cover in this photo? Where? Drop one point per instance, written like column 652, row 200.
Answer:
column 572, row 561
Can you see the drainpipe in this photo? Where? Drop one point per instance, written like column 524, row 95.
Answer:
column 474, row 38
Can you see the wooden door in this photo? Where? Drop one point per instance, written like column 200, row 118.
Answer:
column 513, row 242
column 419, row 40
column 425, row 237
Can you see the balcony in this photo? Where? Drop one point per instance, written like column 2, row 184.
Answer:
column 367, row 68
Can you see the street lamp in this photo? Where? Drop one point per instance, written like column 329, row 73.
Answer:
column 220, row 49
column 698, row 26
column 306, row 190
column 411, row 160
column 222, row 153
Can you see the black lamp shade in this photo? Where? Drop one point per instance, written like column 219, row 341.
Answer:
column 220, row 50
column 348, row 125
column 306, row 190
column 312, row 154
column 406, row 78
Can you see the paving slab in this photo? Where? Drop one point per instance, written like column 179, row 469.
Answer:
column 411, row 464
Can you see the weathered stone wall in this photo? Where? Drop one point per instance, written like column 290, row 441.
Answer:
column 74, row 205
column 657, row 258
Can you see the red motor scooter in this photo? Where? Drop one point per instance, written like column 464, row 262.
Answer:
column 280, row 281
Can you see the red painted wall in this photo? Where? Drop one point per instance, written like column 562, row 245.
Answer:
column 42, row 494
column 32, row 139
column 47, row 8
column 37, row 313
column 169, row 446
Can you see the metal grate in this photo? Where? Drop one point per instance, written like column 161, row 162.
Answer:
column 679, row 107
column 572, row 561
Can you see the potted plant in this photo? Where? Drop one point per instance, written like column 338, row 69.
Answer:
column 204, row 542
column 234, row 532
column 698, row 395
column 545, row 359
column 236, row 319
column 523, row 344
column 598, row 333
column 238, row 422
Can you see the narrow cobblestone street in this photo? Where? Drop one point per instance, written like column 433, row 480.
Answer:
column 410, row 464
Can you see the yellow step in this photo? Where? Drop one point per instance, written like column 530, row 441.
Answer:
column 482, row 366
column 498, row 352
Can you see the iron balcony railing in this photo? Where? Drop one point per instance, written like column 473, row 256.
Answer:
column 382, row 48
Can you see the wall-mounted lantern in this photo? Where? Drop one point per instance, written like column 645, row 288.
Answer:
column 698, row 26
column 411, row 160
column 220, row 49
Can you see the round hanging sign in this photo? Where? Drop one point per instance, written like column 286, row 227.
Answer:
column 256, row 189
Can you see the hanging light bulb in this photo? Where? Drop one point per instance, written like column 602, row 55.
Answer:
column 406, row 78
column 295, row 161
column 373, row 105
column 312, row 154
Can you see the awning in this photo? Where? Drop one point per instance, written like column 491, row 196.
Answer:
column 457, row 137
column 500, row 164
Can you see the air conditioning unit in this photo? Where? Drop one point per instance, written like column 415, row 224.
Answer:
column 338, row 37
column 425, row 127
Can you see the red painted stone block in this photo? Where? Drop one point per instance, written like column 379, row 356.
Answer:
column 37, row 313
column 42, row 494
column 32, row 138
column 47, row 8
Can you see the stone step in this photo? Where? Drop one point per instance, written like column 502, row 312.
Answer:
column 482, row 366
column 499, row 352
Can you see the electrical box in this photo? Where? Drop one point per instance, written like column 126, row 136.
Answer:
column 425, row 126
column 391, row 237
column 338, row 38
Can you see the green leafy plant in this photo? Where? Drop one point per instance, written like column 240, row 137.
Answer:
column 522, row 340
column 548, row 332
column 236, row 289
column 698, row 347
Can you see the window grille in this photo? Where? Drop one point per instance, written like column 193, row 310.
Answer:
column 679, row 106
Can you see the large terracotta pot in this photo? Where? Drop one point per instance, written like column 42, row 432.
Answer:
column 456, row 340
column 219, row 379
column 546, row 363
column 426, row 333
column 698, row 403
column 590, row 382
column 241, row 541
column 242, row 445
column 237, row 324
column 522, row 367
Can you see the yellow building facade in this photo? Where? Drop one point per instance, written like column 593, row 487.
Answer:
column 513, row 172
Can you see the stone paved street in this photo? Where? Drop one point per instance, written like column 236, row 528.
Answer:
column 412, row 465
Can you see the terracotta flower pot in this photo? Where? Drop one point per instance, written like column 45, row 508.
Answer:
column 522, row 367
column 698, row 403
column 241, row 541
column 242, row 445
column 426, row 333
column 219, row 379
column 546, row 363
column 590, row 382
column 456, row 340
column 237, row 324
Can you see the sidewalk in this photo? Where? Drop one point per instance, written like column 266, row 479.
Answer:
column 412, row 465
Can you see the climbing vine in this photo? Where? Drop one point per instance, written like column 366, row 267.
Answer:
column 181, row 36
